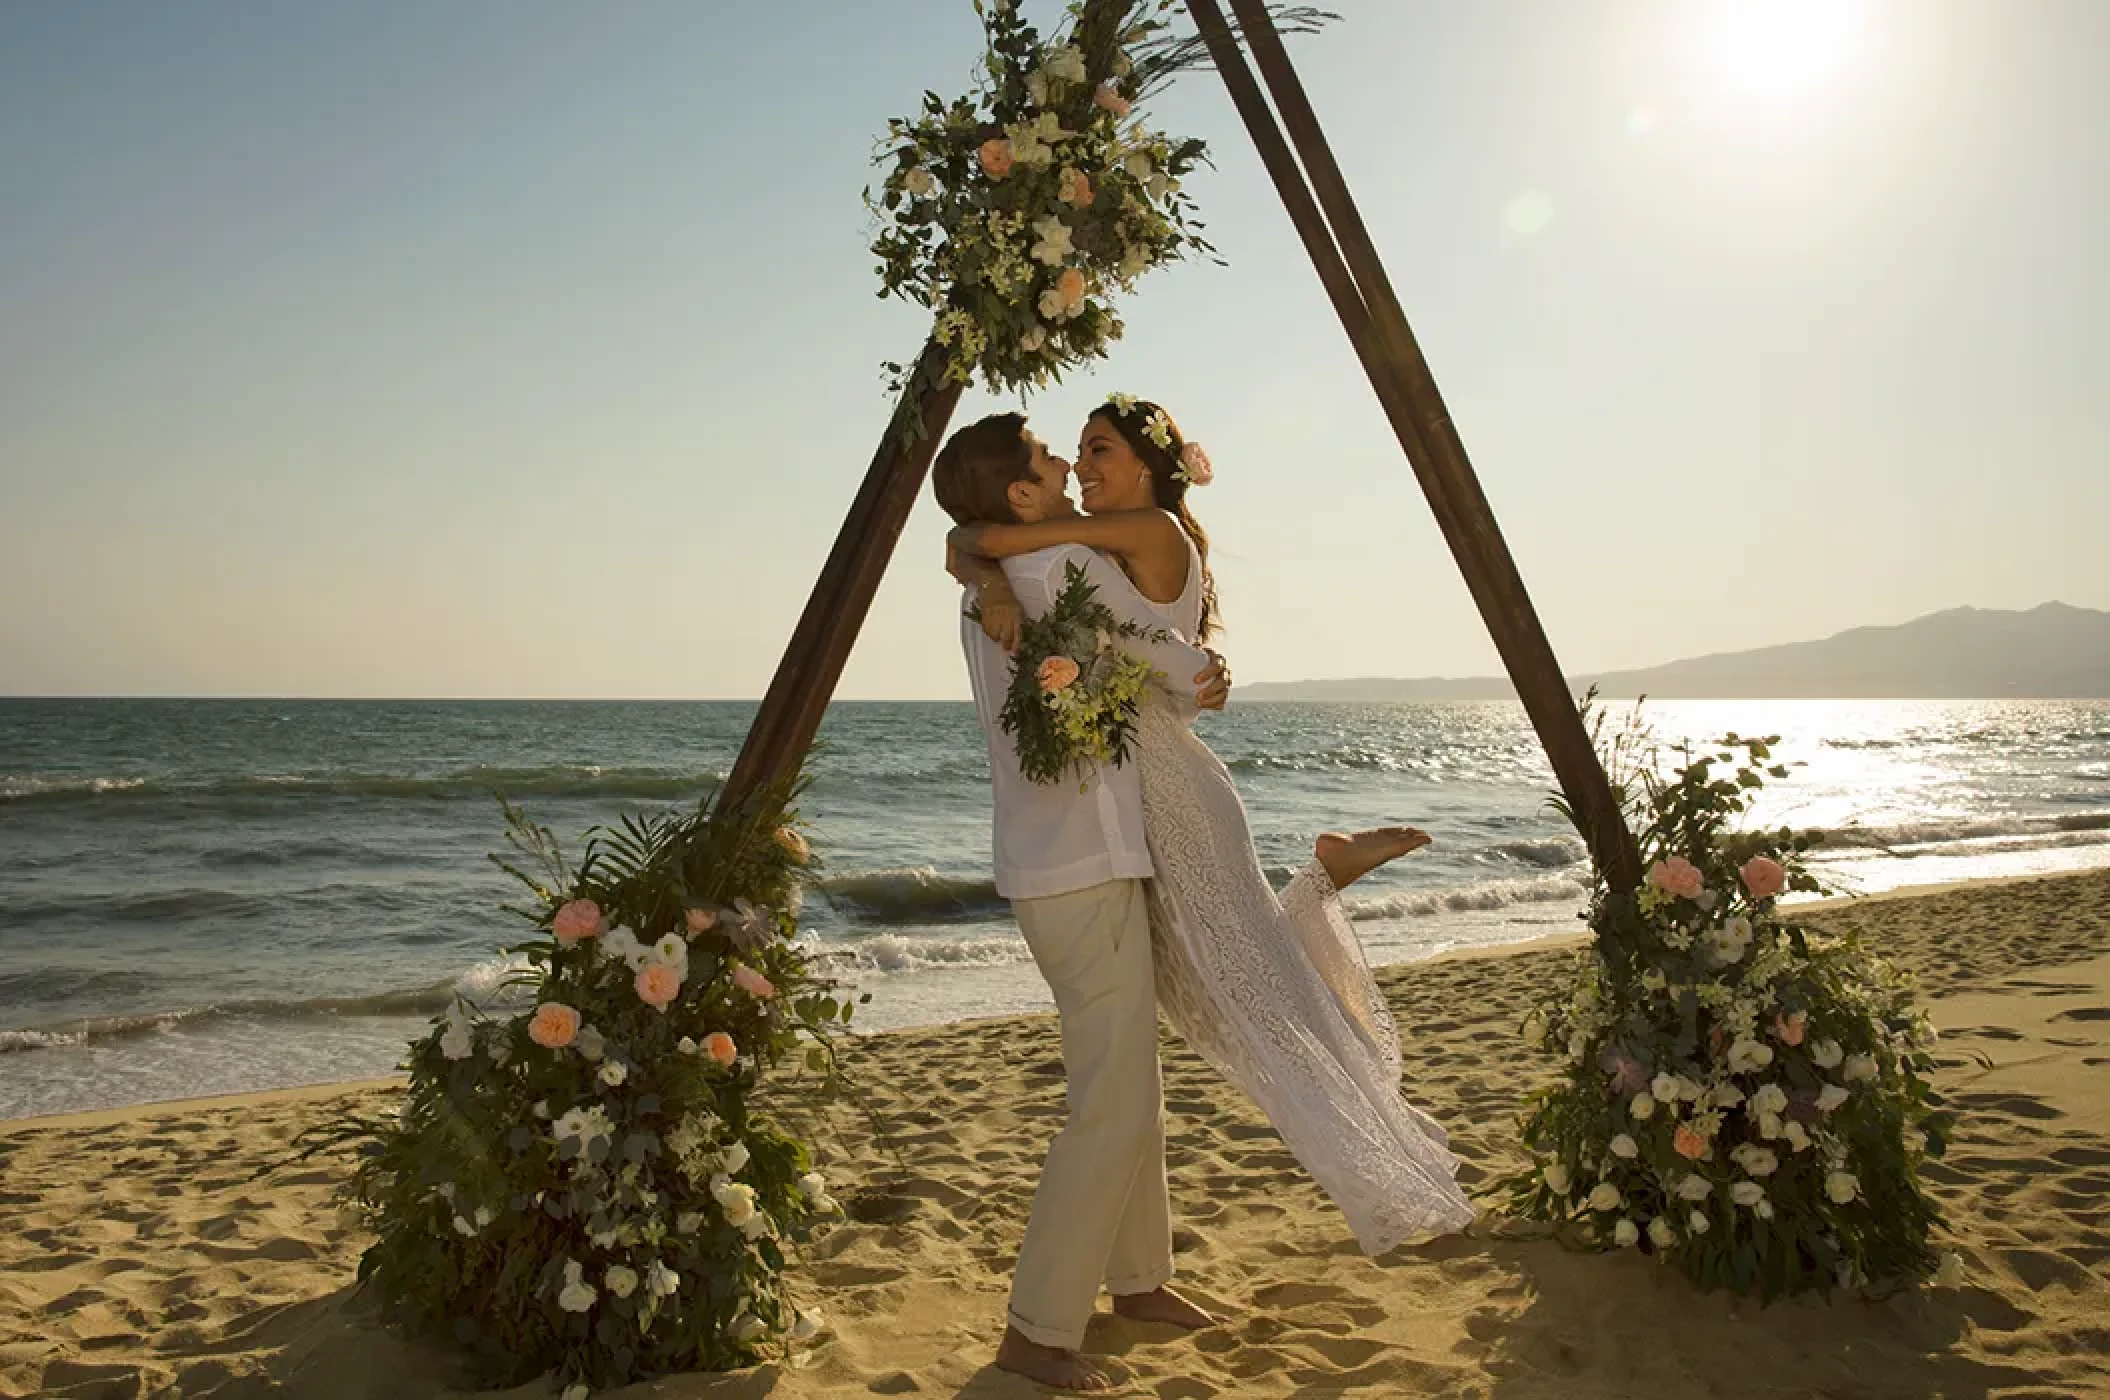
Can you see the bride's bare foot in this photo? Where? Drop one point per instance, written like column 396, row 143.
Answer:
column 1349, row 858
column 1052, row 1366
column 1161, row 1305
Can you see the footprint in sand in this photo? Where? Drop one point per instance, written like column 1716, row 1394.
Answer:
column 2084, row 1013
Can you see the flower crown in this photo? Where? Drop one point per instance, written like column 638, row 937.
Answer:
column 1194, row 468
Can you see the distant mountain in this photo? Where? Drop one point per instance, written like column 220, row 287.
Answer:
column 2053, row 652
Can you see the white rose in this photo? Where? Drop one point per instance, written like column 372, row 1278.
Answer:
column 688, row 1222
column 1770, row 1098
column 747, row 1327
column 737, row 1201
column 621, row 1280
column 1842, row 1188
column 687, row 1045
column 1770, row 1126
column 1798, row 1137
column 1664, row 1087
column 1950, row 1274
column 1747, row 1193
column 613, row 1074
column 812, row 1186
column 576, row 1296
column 755, row 1226
column 674, row 952
column 1726, row 1095
column 1604, row 1196
column 1697, row 1223
column 1625, row 1148
column 1053, row 247
column 591, row 1044
column 1761, row 1162
column 1695, row 1188
column 1860, row 1069
column 919, row 182
column 661, row 1281
column 1626, row 1234
column 1643, row 1107
column 1830, row 1097
column 808, row 1324
column 457, row 1042
column 733, row 1159
column 1827, row 1054
column 1033, row 340
column 1747, row 1055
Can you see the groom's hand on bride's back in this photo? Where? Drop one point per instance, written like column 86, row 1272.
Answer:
column 1213, row 684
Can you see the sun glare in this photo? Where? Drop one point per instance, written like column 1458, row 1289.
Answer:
column 1775, row 49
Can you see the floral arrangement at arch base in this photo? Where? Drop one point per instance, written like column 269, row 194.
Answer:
column 1742, row 1096
column 1018, row 212
column 592, row 1187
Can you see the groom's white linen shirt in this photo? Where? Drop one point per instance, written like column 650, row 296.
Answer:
column 1051, row 838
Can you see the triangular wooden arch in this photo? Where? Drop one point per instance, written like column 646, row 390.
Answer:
column 1318, row 202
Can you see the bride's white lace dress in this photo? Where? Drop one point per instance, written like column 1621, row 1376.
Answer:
column 1275, row 992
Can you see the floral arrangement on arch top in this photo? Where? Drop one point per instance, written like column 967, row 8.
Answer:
column 1015, row 213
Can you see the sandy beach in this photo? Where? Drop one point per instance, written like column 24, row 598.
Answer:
column 139, row 1253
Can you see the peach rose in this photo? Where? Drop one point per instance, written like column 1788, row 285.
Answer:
column 658, row 984
column 1108, row 100
column 1057, row 673
column 1075, row 189
column 554, row 1026
column 753, row 983
column 1071, row 285
column 719, row 1046
column 995, row 156
column 1690, row 1145
column 1764, row 877
column 1789, row 1030
column 579, row 919
column 700, row 920
column 794, row 844
column 1678, row 876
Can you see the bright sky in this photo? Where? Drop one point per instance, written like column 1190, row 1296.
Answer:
column 530, row 349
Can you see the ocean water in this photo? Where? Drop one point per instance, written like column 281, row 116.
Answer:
column 204, row 897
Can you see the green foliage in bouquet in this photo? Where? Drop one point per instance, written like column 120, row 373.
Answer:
column 593, row 1187
column 1740, row 1095
column 1074, row 691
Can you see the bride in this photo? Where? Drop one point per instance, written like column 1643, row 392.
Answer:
column 1272, row 991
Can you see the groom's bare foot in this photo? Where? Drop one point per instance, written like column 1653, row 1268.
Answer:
column 1349, row 858
column 1161, row 1305
column 1052, row 1366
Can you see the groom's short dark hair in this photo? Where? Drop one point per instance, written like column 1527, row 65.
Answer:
column 976, row 468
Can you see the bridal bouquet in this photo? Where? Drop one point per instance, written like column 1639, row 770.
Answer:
column 1073, row 695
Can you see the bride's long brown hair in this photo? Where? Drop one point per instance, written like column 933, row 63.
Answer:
column 1168, row 487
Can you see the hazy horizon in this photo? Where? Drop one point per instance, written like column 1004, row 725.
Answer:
column 532, row 352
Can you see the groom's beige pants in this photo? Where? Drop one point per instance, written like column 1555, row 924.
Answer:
column 1101, row 1213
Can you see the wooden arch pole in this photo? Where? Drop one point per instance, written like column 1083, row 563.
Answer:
column 798, row 696
column 1348, row 264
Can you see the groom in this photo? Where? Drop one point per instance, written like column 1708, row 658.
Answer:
column 1072, row 862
